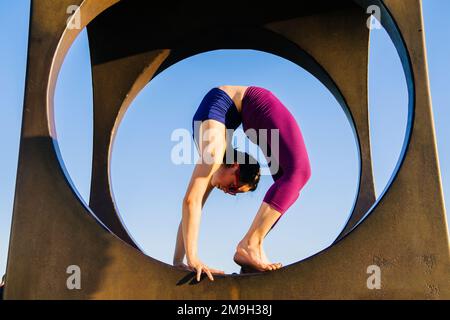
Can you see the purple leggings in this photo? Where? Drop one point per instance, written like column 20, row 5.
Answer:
column 261, row 109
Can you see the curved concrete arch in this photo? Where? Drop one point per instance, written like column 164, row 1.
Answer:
column 406, row 234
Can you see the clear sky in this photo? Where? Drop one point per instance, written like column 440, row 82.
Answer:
column 148, row 187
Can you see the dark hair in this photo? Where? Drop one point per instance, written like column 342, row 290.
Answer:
column 249, row 168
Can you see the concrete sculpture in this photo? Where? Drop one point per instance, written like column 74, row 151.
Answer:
column 404, row 232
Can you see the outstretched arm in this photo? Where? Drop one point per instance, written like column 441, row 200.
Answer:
column 212, row 149
column 191, row 214
column 180, row 251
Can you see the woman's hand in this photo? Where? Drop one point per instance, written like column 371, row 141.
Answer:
column 197, row 266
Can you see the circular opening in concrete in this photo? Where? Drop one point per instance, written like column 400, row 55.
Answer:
column 149, row 187
column 82, row 166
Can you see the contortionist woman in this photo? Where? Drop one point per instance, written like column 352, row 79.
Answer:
column 226, row 107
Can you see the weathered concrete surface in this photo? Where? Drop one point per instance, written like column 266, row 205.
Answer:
column 405, row 233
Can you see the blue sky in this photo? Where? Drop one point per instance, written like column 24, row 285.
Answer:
column 148, row 187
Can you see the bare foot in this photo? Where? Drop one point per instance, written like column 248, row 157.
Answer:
column 266, row 260
column 253, row 259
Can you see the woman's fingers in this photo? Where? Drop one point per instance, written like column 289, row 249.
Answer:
column 199, row 267
column 199, row 273
column 205, row 270
column 215, row 271
column 209, row 274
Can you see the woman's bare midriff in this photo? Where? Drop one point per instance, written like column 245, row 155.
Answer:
column 236, row 93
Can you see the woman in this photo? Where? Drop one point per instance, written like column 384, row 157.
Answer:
column 258, row 109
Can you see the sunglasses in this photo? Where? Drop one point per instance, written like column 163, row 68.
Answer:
column 234, row 188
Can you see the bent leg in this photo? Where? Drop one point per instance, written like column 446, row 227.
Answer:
column 249, row 252
column 286, row 190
